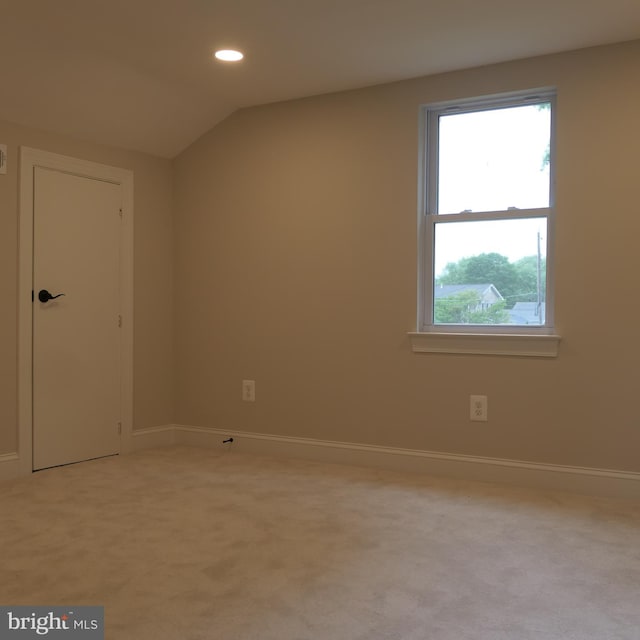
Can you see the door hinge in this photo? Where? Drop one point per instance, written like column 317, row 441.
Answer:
column 119, row 428
column 119, row 321
column 121, row 212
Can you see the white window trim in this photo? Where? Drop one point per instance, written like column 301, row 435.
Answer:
column 493, row 344
column 516, row 340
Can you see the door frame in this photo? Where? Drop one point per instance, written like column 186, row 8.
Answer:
column 29, row 160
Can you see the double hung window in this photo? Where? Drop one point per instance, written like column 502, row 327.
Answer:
column 488, row 215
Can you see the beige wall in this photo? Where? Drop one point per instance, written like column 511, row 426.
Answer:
column 294, row 241
column 153, row 402
column 295, row 253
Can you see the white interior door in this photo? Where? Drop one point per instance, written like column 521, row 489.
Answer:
column 76, row 337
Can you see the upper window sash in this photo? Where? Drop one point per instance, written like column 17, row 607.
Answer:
column 431, row 140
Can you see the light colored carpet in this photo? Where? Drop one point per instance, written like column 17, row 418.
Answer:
column 181, row 543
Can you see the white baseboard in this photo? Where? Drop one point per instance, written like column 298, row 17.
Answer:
column 584, row 480
column 600, row 482
column 9, row 466
column 153, row 437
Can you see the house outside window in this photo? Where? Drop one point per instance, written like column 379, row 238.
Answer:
column 487, row 215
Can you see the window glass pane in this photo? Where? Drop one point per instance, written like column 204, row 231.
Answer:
column 494, row 159
column 490, row 272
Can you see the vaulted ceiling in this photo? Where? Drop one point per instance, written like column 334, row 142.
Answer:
column 139, row 74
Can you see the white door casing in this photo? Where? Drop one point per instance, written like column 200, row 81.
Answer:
column 88, row 380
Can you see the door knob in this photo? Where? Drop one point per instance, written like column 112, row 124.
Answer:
column 45, row 296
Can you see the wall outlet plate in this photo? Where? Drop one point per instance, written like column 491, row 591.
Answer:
column 478, row 408
column 249, row 390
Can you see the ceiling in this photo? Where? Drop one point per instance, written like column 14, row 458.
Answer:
column 139, row 74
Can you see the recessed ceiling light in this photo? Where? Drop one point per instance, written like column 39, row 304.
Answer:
column 229, row 55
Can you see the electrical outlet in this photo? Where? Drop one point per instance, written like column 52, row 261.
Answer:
column 249, row 390
column 478, row 411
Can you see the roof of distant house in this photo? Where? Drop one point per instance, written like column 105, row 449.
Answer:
column 447, row 290
column 526, row 313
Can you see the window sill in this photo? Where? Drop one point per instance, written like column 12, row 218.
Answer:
column 494, row 344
